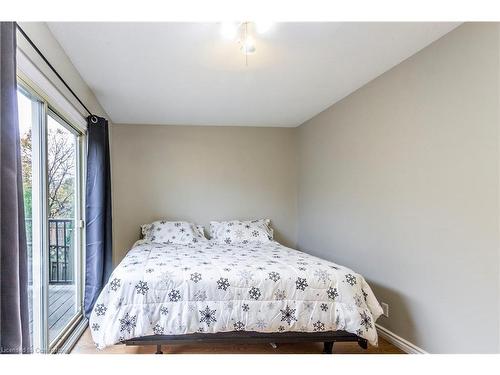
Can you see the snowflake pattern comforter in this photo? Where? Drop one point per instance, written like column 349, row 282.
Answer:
column 207, row 287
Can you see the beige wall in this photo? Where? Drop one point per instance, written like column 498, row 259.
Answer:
column 201, row 174
column 400, row 182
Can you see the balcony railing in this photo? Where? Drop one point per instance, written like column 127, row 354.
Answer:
column 61, row 250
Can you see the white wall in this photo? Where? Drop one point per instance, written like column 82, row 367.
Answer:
column 400, row 181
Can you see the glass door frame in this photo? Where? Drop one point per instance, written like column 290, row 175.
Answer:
column 40, row 227
column 78, row 229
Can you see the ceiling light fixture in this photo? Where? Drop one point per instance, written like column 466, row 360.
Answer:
column 242, row 31
column 248, row 46
column 247, row 43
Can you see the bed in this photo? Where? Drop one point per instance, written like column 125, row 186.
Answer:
column 254, row 292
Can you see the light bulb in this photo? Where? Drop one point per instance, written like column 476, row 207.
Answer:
column 248, row 46
column 229, row 30
column 263, row 26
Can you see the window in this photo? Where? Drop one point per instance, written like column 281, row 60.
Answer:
column 51, row 151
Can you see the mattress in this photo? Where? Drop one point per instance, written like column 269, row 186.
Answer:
column 207, row 287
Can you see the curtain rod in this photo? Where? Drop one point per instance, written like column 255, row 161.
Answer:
column 53, row 69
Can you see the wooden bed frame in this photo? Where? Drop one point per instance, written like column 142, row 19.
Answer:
column 247, row 337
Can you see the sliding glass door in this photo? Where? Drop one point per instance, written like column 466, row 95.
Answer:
column 52, row 168
column 63, row 193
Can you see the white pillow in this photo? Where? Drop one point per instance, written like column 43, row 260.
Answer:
column 241, row 232
column 172, row 232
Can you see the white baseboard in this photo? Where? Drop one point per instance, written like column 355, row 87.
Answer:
column 399, row 342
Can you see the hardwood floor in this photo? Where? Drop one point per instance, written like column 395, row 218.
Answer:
column 86, row 346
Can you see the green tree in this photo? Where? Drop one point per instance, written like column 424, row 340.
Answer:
column 26, row 151
column 60, row 172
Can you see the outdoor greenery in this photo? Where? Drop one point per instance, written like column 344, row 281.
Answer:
column 60, row 173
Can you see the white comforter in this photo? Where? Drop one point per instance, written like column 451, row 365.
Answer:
column 208, row 287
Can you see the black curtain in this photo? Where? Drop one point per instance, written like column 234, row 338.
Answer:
column 97, row 211
column 14, row 308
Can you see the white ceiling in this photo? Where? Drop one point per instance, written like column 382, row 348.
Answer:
column 188, row 74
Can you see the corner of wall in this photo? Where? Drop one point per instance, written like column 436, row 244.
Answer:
column 498, row 190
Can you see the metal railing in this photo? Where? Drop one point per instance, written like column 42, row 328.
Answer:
column 61, row 250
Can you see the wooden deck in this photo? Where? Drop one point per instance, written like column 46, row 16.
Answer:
column 62, row 308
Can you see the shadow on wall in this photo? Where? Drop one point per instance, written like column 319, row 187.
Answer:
column 398, row 312
column 401, row 320
column 282, row 240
